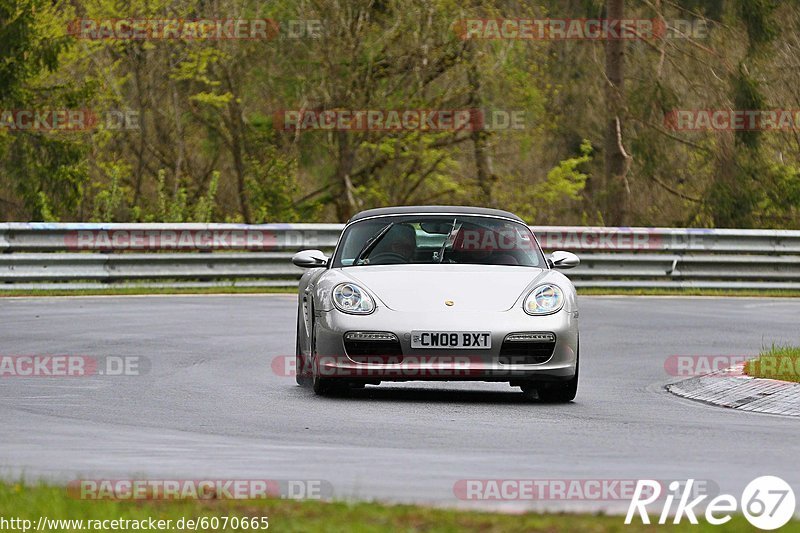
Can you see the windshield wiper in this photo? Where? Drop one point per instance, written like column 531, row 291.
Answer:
column 371, row 243
column 444, row 244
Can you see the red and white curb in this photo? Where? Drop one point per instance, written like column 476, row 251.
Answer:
column 732, row 388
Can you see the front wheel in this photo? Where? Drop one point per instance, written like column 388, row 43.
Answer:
column 555, row 392
column 321, row 386
column 327, row 386
column 302, row 379
column 301, row 374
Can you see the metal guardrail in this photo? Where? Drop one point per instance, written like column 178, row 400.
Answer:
column 41, row 255
column 45, row 237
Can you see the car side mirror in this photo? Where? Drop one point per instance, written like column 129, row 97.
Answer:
column 563, row 260
column 310, row 259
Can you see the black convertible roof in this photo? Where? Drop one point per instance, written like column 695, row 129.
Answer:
column 434, row 209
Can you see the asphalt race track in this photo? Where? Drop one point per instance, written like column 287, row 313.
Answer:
column 211, row 406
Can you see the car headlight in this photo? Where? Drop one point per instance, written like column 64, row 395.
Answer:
column 350, row 298
column 544, row 300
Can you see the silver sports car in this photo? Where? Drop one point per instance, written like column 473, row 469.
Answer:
column 438, row 293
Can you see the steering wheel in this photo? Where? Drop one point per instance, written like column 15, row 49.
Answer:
column 387, row 258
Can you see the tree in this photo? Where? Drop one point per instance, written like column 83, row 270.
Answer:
column 38, row 167
column 617, row 159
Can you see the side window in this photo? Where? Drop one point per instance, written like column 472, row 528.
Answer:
column 355, row 239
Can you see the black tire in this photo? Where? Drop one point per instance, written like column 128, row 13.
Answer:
column 302, row 379
column 325, row 386
column 321, row 386
column 555, row 392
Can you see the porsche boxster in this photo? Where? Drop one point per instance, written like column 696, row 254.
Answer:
column 438, row 293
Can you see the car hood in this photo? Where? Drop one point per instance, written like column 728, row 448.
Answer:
column 426, row 287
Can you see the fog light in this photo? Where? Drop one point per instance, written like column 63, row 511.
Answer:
column 531, row 337
column 369, row 336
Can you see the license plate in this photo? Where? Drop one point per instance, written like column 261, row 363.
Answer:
column 474, row 340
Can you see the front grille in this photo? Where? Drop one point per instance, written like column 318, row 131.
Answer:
column 526, row 352
column 374, row 351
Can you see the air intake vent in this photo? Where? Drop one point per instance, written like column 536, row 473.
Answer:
column 373, row 347
column 527, row 348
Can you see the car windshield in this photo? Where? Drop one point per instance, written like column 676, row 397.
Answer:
column 431, row 239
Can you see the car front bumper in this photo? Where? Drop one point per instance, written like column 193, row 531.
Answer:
column 444, row 363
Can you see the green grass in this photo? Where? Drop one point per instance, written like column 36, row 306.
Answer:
column 30, row 503
column 126, row 291
column 776, row 362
